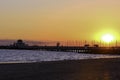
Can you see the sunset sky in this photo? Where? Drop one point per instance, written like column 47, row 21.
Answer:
column 59, row 19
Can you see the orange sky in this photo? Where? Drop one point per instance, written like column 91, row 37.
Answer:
column 59, row 19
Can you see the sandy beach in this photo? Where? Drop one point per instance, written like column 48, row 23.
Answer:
column 96, row 69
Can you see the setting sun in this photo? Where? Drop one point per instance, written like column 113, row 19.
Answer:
column 107, row 38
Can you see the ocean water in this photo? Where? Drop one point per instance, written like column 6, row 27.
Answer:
column 23, row 56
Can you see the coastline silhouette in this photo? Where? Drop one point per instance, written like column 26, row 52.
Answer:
column 95, row 49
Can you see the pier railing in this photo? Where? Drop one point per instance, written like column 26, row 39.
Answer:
column 77, row 49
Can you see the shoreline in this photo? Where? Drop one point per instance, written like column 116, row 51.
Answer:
column 56, row 61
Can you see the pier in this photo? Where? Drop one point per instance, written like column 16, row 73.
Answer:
column 91, row 50
column 96, row 49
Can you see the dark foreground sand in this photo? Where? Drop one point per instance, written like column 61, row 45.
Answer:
column 100, row 69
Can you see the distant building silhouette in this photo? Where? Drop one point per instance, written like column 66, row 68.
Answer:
column 20, row 44
column 86, row 46
column 96, row 45
column 58, row 44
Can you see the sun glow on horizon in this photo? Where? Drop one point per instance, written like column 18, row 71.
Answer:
column 107, row 38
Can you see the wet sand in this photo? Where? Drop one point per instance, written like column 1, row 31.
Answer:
column 97, row 69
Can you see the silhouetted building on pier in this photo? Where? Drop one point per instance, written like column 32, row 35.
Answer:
column 58, row 44
column 96, row 45
column 19, row 44
column 86, row 46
